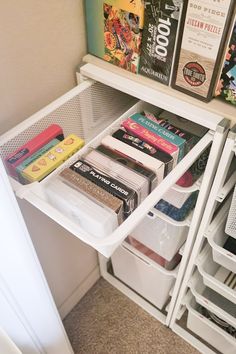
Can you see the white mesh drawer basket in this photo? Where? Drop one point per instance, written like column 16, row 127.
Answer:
column 230, row 227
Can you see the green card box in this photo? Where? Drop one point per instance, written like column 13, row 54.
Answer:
column 114, row 29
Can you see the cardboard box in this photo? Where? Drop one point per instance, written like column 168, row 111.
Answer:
column 204, row 27
column 114, row 31
column 161, row 22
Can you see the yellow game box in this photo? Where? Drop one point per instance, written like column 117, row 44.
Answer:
column 52, row 159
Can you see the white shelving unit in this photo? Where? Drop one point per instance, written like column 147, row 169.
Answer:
column 95, row 108
column 209, row 266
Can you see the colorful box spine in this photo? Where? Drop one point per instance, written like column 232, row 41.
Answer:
column 111, row 185
column 226, row 85
column 184, row 124
column 159, row 39
column 144, row 147
column 151, row 138
column 204, row 27
column 190, row 139
column 114, row 30
column 26, row 150
column 162, row 132
column 52, row 159
column 139, row 157
column 34, row 157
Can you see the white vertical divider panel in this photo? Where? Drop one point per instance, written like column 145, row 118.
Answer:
column 204, row 228
column 6, row 344
column 208, row 177
column 23, row 285
column 223, row 167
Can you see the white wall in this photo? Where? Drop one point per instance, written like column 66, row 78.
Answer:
column 41, row 43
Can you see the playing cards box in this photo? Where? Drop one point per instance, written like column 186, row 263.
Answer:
column 151, row 138
column 144, row 147
column 94, row 192
column 155, row 165
column 110, row 184
column 131, row 164
column 126, row 175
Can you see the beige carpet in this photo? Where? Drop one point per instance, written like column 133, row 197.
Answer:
column 107, row 322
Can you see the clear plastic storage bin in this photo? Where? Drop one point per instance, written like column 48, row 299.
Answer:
column 218, row 278
column 209, row 331
column 143, row 275
column 222, row 256
column 162, row 236
column 213, row 301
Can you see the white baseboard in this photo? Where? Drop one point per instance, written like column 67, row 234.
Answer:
column 78, row 293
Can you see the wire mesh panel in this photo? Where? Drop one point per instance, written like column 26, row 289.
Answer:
column 230, row 227
column 85, row 114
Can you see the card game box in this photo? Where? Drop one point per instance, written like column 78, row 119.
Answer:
column 48, row 162
column 31, row 146
column 122, row 173
column 144, row 147
column 204, row 27
column 151, row 138
column 139, row 157
column 131, row 164
column 183, row 124
column 190, row 139
column 110, row 184
column 162, row 132
column 92, row 191
column 114, row 31
column 160, row 32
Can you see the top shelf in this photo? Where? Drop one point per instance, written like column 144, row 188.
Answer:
column 215, row 106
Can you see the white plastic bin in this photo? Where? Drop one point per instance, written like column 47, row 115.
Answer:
column 143, row 275
column 230, row 227
column 215, row 276
column 209, row 331
column 163, row 237
column 217, row 239
column 214, row 302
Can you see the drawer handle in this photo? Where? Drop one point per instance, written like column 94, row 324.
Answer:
column 151, row 215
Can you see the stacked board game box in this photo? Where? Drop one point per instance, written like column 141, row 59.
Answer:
column 114, row 29
column 161, row 19
column 226, row 86
column 204, row 28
